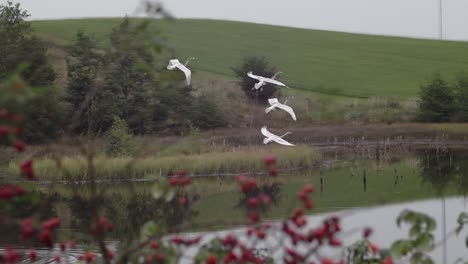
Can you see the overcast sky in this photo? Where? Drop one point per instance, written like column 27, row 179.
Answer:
column 414, row 18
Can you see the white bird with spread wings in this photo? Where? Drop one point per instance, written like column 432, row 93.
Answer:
column 263, row 80
column 272, row 137
column 175, row 63
column 276, row 104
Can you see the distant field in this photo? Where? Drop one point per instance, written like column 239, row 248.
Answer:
column 319, row 61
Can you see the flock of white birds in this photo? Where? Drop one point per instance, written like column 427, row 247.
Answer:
column 262, row 81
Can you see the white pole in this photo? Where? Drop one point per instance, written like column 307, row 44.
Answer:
column 441, row 36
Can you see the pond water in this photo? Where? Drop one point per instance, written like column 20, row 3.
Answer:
column 369, row 188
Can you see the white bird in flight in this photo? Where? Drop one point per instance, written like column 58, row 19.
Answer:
column 276, row 104
column 175, row 63
column 272, row 137
column 263, row 80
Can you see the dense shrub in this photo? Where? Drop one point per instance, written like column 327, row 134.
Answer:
column 206, row 114
column 118, row 138
column 259, row 66
column 437, row 101
column 461, row 89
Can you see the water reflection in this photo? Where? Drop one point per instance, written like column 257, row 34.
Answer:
column 357, row 182
column 442, row 167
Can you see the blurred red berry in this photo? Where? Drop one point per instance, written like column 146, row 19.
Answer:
column 19, row 146
column 63, row 246
column 181, row 200
column 154, row 245
column 211, row 259
column 27, row 229
column 51, row 223
column 252, row 201
column 269, row 160
column 260, row 234
column 72, row 244
column 265, row 199
column 373, row 248
column 334, row 242
column 173, row 181
column 45, row 238
column 109, row 255
column 326, row 261
column 27, row 169
column 185, row 181
column 32, row 255
column 7, row 193
column 89, row 256
column 57, row 259
column 11, row 256
column 4, row 131
column 253, row 216
column 273, row 172
column 159, row 257
column 367, row 232
column 308, row 188
column 229, row 240
column 308, row 204
column 387, row 260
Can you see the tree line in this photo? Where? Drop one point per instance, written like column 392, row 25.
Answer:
column 125, row 80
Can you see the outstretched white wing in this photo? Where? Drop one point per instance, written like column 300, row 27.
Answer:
column 273, row 101
column 175, row 63
column 256, row 77
column 288, row 109
column 281, row 141
column 266, row 133
column 187, row 72
column 269, row 80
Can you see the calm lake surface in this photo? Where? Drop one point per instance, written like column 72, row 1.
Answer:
column 368, row 188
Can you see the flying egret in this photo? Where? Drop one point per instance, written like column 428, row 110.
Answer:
column 272, row 137
column 263, row 80
column 175, row 63
column 276, row 104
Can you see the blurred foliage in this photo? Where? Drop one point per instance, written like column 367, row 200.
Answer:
column 421, row 237
column 23, row 55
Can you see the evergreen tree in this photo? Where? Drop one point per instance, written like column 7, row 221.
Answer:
column 437, row 101
column 462, row 98
column 83, row 65
column 19, row 45
column 21, row 50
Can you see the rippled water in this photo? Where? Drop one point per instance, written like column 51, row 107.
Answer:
column 369, row 189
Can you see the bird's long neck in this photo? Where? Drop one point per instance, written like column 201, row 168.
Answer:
column 285, row 134
column 274, row 76
column 188, row 61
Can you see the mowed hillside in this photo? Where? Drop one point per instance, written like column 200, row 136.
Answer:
column 319, row 61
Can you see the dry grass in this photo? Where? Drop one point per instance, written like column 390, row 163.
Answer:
column 246, row 159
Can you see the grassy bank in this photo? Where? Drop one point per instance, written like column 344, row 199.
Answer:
column 247, row 159
column 327, row 62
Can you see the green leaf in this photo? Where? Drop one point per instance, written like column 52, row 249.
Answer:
column 157, row 191
column 170, row 195
column 149, row 229
column 400, row 248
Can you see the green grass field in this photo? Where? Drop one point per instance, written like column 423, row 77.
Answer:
column 320, row 61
